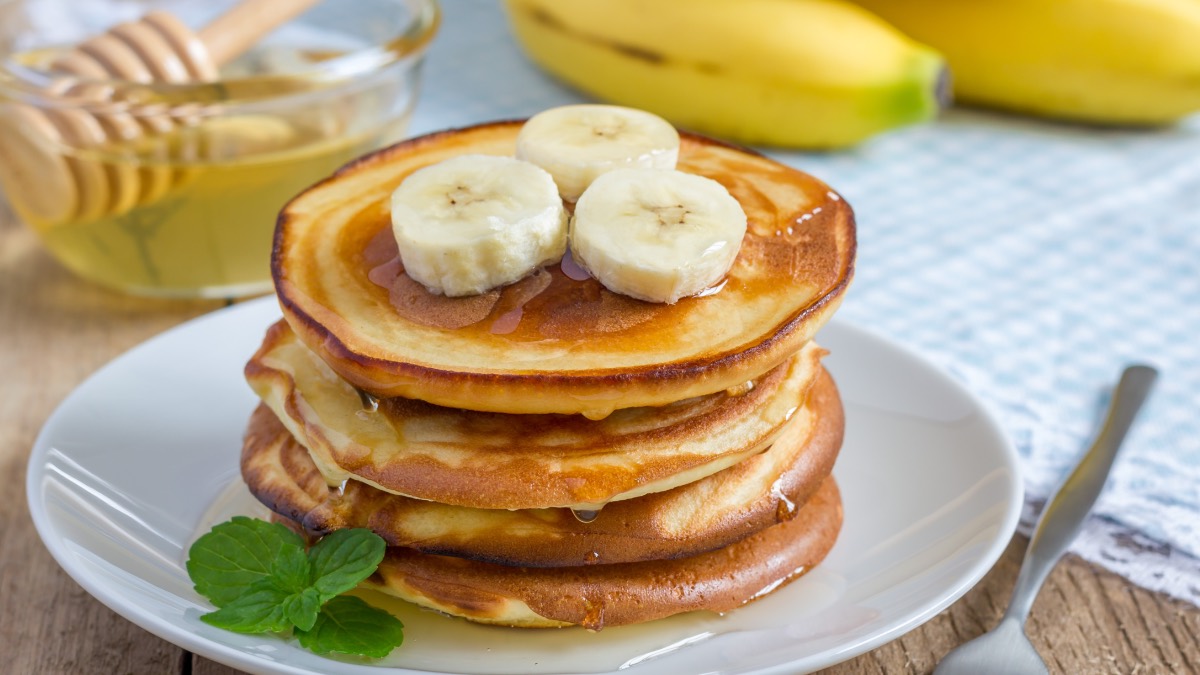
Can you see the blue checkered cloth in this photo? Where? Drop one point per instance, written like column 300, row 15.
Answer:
column 1029, row 259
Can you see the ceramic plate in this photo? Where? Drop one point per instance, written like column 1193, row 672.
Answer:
column 143, row 456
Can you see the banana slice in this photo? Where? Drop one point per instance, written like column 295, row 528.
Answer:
column 475, row 222
column 655, row 234
column 577, row 143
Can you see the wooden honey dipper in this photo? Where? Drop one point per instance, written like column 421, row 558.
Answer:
column 54, row 188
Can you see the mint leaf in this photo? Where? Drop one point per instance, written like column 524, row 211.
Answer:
column 262, row 580
column 347, row 625
column 343, row 558
column 224, row 563
column 301, row 609
column 291, row 570
column 257, row 611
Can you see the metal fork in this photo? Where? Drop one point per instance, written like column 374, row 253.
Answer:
column 1006, row 650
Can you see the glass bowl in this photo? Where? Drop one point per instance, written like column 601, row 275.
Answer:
column 171, row 188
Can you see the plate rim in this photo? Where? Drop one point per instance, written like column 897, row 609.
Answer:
column 224, row 653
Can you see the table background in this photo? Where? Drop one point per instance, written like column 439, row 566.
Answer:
column 1028, row 259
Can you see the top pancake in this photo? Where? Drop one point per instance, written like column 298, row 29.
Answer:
column 549, row 343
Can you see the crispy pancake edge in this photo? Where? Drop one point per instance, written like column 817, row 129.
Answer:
column 685, row 521
column 583, row 476
column 623, row 594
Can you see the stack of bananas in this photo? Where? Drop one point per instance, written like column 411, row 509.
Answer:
column 828, row 73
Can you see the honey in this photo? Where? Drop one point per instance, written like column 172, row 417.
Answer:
column 209, row 233
column 153, row 154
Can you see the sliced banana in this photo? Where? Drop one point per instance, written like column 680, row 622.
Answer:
column 656, row 234
column 475, row 222
column 577, row 143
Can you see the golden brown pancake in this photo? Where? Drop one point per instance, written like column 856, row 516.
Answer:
column 503, row 461
column 621, row 594
column 550, row 343
column 701, row 516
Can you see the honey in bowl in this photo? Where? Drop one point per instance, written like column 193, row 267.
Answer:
column 209, row 232
column 171, row 188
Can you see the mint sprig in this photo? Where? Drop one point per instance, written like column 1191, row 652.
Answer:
column 262, row 580
column 227, row 560
column 347, row 625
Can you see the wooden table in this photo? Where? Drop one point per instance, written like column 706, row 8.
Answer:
column 55, row 330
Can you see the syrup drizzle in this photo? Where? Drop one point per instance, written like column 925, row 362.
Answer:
column 593, row 616
column 572, row 269
column 507, row 322
column 712, row 290
column 785, row 509
column 741, row 389
column 585, row 515
column 369, row 402
column 383, row 275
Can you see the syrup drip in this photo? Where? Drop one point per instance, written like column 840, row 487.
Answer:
column 591, row 558
column 741, row 389
column 342, row 488
column 572, row 269
column 585, row 516
column 516, row 297
column 712, row 290
column 774, row 585
column 369, row 402
column 381, row 248
column 593, row 617
column 596, row 415
column 507, row 322
column 785, row 509
column 383, row 275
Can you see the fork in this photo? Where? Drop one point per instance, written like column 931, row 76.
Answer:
column 1006, row 650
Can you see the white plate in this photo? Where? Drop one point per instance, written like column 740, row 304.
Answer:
column 145, row 452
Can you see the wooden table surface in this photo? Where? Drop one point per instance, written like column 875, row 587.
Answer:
column 55, row 330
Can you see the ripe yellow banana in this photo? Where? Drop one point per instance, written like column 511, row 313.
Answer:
column 1109, row 61
column 798, row 73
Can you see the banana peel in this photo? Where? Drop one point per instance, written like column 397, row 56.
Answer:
column 1126, row 62
column 812, row 74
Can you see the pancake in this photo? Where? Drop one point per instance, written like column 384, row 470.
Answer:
column 550, row 343
column 616, row 595
column 502, row 461
column 701, row 516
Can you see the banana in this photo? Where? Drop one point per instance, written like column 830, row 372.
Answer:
column 1106, row 61
column 475, row 222
column 656, row 234
column 577, row 143
column 800, row 73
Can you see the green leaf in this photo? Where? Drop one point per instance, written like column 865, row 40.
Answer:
column 347, row 625
column 227, row 561
column 291, row 570
column 262, row 580
column 259, row 610
column 301, row 608
column 343, row 558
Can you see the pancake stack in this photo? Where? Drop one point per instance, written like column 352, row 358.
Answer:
column 552, row 453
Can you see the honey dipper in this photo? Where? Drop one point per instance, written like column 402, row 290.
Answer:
column 54, row 188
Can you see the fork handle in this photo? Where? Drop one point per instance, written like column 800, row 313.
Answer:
column 1064, row 514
